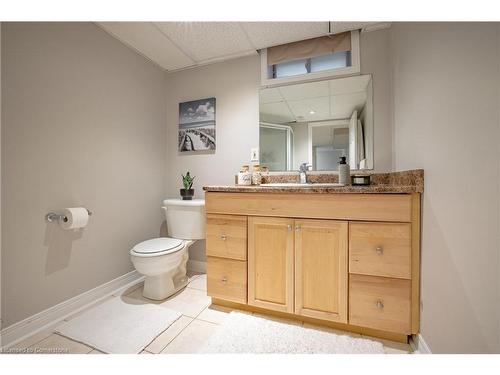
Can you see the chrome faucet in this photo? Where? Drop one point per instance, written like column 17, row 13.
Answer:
column 304, row 167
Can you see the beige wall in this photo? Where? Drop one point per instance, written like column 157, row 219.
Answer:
column 375, row 50
column 83, row 123
column 235, row 86
column 1, row 315
column 446, row 114
column 498, row 45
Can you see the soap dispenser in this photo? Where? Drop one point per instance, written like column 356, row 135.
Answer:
column 344, row 171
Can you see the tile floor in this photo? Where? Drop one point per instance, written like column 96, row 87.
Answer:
column 186, row 335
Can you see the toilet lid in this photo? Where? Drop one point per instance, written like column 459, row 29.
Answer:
column 162, row 245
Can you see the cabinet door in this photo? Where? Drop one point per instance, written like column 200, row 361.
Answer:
column 321, row 269
column 270, row 263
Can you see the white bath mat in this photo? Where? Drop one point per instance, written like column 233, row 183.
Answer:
column 244, row 333
column 119, row 327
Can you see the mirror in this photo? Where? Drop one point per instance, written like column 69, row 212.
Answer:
column 317, row 123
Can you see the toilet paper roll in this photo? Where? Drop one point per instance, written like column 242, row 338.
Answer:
column 74, row 218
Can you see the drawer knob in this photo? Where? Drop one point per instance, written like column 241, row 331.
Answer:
column 289, row 227
column 380, row 305
column 379, row 250
column 297, row 227
column 223, row 237
column 224, row 280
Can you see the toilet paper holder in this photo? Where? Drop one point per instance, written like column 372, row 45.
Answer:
column 55, row 217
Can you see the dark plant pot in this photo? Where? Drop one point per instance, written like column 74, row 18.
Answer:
column 187, row 194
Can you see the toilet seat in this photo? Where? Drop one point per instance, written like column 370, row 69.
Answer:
column 157, row 246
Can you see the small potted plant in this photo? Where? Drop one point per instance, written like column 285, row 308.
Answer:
column 187, row 193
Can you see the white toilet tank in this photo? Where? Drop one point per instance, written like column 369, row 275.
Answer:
column 185, row 219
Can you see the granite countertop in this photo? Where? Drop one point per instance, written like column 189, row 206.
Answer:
column 405, row 182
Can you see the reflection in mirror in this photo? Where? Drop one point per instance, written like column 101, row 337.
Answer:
column 317, row 122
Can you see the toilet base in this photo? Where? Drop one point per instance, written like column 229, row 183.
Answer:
column 162, row 286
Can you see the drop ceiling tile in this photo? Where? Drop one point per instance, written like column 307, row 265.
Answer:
column 207, row 40
column 305, row 90
column 267, row 34
column 145, row 38
column 302, row 109
column 275, row 113
column 342, row 106
column 349, row 84
column 177, row 45
column 270, row 95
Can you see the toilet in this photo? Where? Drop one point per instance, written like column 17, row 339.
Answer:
column 163, row 260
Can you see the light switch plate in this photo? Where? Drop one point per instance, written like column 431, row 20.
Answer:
column 254, row 154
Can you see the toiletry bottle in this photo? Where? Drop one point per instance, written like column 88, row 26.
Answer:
column 264, row 171
column 256, row 175
column 344, row 172
column 245, row 177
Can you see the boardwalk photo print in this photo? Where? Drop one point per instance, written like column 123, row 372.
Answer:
column 197, row 125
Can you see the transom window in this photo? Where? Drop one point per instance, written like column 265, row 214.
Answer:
column 331, row 55
column 311, row 65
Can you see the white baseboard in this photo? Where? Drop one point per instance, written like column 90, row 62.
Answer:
column 53, row 315
column 418, row 345
column 197, row 266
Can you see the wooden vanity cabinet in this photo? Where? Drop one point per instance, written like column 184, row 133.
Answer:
column 351, row 269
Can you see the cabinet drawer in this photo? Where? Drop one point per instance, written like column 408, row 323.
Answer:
column 366, row 207
column 380, row 249
column 227, row 279
column 226, row 236
column 380, row 303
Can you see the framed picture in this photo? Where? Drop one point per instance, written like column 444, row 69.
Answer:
column 197, row 125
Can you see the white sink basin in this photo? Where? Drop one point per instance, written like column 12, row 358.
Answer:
column 298, row 185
